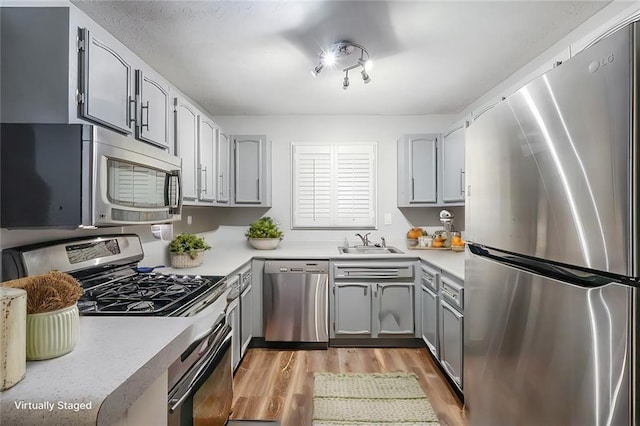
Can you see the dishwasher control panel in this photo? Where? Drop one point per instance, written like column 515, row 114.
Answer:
column 296, row 267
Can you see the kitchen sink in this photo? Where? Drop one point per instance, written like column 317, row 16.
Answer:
column 368, row 250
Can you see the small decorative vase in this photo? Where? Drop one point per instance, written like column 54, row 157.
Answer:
column 264, row 243
column 13, row 309
column 52, row 334
column 184, row 260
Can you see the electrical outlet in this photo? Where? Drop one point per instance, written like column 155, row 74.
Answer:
column 189, row 220
column 387, row 218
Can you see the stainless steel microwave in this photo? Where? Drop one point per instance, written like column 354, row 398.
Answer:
column 75, row 176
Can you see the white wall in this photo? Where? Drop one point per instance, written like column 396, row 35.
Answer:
column 385, row 130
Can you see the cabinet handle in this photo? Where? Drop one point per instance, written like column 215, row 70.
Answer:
column 132, row 117
column 462, row 181
column 142, row 108
column 206, row 187
column 220, row 185
column 413, row 189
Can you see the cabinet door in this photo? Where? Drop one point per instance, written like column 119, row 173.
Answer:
column 206, row 160
column 352, row 309
column 248, row 152
column 394, row 309
column 186, row 147
column 223, row 149
column 422, row 169
column 105, row 84
column 153, row 112
column 429, row 307
column 246, row 326
column 453, row 165
column 451, row 335
column 233, row 319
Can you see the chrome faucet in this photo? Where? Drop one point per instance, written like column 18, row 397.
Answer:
column 365, row 238
column 384, row 242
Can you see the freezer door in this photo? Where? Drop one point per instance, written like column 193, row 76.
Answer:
column 549, row 169
column 542, row 352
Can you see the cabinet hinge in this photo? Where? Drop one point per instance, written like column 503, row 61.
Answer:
column 81, row 44
column 80, row 98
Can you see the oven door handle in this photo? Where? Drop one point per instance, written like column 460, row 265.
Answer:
column 185, row 388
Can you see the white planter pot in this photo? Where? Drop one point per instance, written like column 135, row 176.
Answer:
column 264, row 243
column 52, row 334
column 185, row 260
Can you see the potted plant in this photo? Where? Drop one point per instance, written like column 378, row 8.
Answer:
column 187, row 251
column 264, row 234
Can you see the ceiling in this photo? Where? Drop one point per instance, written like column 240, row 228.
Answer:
column 255, row 57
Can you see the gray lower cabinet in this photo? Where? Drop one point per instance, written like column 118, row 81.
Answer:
column 451, row 341
column 393, row 313
column 373, row 309
column 451, row 336
column 246, row 310
column 233, row 319
column 429, row 305
column 352, row 309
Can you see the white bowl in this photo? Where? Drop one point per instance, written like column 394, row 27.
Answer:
column 264, row 243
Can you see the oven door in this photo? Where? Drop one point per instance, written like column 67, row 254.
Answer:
column 134, row 183
column 204, row 393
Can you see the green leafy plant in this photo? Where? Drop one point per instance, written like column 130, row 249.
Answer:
column 264, row 227
column 188, row 244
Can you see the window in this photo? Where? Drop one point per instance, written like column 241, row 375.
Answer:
column 334, row 185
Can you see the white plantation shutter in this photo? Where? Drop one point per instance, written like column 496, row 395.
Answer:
column 312, row 186
column 334, row 185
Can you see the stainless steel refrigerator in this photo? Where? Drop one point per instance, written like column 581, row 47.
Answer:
column 551, row 317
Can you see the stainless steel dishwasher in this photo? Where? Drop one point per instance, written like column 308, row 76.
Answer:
column 295, row 295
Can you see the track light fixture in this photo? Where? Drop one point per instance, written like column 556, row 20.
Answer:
column 336, row 52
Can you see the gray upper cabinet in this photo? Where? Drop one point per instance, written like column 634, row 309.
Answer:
column 453, row 176
column 186, row 129
column 206, row 159
column 105, row 84
column 252, row 171
column 223, row 151
column 394, row 310
column 352, row 309
column 152, row 98
column 417, row 170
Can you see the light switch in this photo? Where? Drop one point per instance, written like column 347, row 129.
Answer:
column 387, row 218
column 189, row 220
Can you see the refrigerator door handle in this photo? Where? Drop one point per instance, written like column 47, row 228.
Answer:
column 581, row 277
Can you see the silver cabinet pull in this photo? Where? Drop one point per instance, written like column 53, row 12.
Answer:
column 462, row 172
column 132, row 117
column 142, row 108
column 206, row 186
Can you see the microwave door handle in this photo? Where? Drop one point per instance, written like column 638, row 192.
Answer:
column 174, row 207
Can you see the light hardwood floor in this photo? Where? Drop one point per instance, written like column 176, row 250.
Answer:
column 278, row 384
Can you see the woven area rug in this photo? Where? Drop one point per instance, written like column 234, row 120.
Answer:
column 370, row 399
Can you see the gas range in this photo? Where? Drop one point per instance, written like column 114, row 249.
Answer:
column 148, row 294
column 106, row 267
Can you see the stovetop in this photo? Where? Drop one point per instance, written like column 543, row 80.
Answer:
column 125, row 292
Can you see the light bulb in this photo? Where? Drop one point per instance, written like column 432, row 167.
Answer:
column 345, row 83
column 365, row 77
column 330, row 59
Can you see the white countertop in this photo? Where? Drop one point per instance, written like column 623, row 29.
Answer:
column 227, row 256
column 115, row 361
